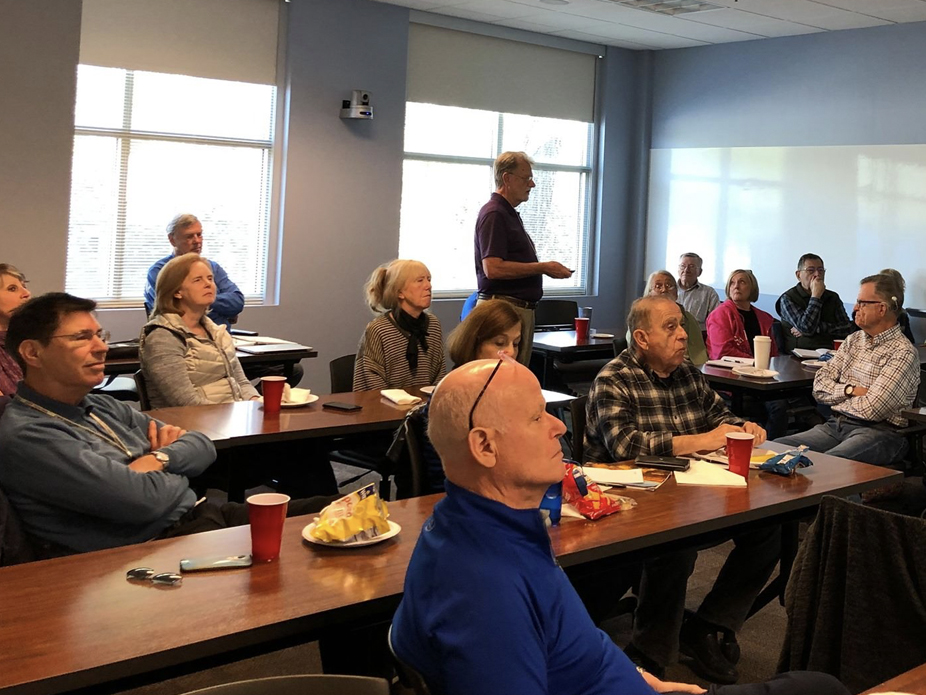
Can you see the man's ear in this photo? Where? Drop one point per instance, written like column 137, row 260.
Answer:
column 797, row 274
column 640, row 338
column 483, row 447
column 31, row 352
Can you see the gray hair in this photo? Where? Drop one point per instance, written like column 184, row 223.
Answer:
column 181, row 222
column 692, row 254
column 651, row 280
column 383, row 287
column 888, row 290
column 640, row 315
column 507, row 163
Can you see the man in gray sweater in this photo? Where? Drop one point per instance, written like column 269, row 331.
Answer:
column 84, row 471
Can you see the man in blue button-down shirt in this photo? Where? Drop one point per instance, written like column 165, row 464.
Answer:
column 185, row 234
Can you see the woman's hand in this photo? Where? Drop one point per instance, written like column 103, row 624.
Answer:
column 670, row 687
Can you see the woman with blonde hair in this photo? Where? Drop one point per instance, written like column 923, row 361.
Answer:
column 403, row 346
column 186, row 358
column 13, row 294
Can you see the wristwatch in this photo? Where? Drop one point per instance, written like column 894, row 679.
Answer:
column 849, row 389
column 162, row 457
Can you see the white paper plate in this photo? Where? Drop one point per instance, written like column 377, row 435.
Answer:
column 427, row 389
column 300, row 404
column 603, row 336
column 813, row 364
column 394, row 529
column 824, row 351
column 755, row 372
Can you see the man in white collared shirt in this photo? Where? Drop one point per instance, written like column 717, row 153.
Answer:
column 698, row 299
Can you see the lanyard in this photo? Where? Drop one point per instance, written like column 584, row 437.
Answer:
column 107, row 435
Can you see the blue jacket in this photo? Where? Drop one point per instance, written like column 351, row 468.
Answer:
column 75, row 489
column 487, row 609
column 229, row 300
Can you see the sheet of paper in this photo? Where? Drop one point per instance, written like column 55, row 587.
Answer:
column 706, row 473
column 556, row 396
column 609, row 476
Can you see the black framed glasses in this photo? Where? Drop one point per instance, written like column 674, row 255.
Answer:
column 863, row 302
column 85, row 336
column 812, row 269
column 146, row 574
column 479, row 397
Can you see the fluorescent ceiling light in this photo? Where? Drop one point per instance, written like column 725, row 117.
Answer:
column 670, row 7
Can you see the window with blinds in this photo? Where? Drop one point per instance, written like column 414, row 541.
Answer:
column 452, row 138
column 164, row 125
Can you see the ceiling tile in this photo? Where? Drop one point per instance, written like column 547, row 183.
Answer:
column 848, row 20
column 594, row 38
column 495, row 8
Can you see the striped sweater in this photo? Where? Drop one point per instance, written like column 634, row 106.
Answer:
column 381, row 362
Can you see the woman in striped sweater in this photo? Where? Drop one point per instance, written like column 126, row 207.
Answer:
column 404, row 345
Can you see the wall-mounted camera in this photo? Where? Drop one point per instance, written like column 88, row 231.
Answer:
column 358, row 106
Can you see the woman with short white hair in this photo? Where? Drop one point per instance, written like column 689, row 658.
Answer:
column 404, row 345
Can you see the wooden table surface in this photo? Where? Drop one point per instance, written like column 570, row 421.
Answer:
column 76, row 622
column 791, row 376
column 235, row 424
column 564, row 342
column 913, row 681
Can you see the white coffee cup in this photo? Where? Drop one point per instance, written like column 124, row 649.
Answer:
column 762, row 350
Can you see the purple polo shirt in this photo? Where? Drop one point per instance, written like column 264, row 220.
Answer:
column 500, row 233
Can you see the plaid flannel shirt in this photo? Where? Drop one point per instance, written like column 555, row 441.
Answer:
column 887, row 365
column 809, row 322
column 632, row 411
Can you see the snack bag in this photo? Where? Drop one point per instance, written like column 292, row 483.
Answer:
column 587, row 497
column 358, row 516
column 786, row 463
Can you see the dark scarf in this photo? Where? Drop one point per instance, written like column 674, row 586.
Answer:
column 417, row 330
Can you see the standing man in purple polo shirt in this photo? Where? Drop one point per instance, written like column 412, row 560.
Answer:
column 506, row 260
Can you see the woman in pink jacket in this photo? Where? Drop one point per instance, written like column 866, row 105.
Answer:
column 731, row 328
column 732, row 325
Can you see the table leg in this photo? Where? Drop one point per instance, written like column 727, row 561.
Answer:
column 789, row 545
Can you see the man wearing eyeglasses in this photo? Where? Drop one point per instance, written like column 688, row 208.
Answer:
column 872, row 377
column 506, row 260
column 698, row 299
column 486, row 609
column 85, row 471
column 812, row 316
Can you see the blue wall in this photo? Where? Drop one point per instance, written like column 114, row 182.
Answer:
column 865, row 86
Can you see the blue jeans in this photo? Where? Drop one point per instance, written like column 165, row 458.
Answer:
column 875, row 443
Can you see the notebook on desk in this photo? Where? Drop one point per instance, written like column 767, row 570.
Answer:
column 272, row 349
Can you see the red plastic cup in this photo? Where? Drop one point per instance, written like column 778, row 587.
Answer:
column 739, row 451
column 837, row 344
column 266, row 512
column 582, row 329
column 272, row 389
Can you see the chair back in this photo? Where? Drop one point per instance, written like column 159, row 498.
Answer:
column 555, row 315
column 778, row 336
column 314, row 684
column 342, row 374
column 411, row 470
column 620, row 344
column 469, row 305
column 577, row 417
column 142, row 387
column 857, row 564
column 15, row 546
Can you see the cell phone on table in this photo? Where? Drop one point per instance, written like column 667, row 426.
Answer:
column 216, row 562
column 669, row 463
column 345, row 407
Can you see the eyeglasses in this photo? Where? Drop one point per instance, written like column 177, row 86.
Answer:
column 146, row 574
column 863, row 302
column 529, row 179
column 666, row 286
column 479, row 397
column 85, row 336
column 687, row 266
column 811, row 269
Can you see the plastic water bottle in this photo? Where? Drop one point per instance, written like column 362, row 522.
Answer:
column 552, row 503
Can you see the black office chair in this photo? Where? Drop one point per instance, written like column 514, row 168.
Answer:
column 577, row 420
column 314, row 684
column 141, row 387
column 555, row 315
column 408, row 677
column 15, row 545
column 411, row 470
column 371, row 454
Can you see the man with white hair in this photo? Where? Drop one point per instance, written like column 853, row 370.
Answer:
column 486, row 609
column 185, row 234
column 698, row 299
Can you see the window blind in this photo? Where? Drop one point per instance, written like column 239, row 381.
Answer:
column 455, row 68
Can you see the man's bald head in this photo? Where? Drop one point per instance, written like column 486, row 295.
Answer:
column 512, row 452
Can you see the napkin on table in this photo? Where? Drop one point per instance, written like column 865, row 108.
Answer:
column 400, row 397
column 291, row 395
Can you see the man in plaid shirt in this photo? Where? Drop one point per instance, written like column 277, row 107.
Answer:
column 650, row 400
column 872, row 377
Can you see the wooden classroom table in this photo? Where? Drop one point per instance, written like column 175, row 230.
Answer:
column 562, row 345
column 913, row 682
column 235, row 425
column 75, row 622
column 792, row 378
